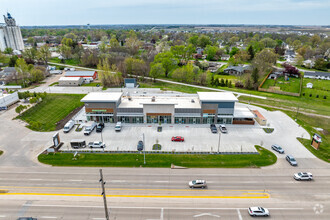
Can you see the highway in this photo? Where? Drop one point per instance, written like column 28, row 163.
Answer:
column 145, row 193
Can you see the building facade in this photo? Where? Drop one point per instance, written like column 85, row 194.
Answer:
column 10, row 34
column 201, row 108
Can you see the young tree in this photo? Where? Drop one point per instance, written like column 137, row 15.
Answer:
column 8, row 50
column 233, row 51
column 30, row 55
column 193, row 40
column 156, row 70
column 22, row 71
column 204, row 40
column 255, row 75
column 320, row 64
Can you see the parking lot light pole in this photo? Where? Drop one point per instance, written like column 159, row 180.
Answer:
column 144, row 150
column 101, row 137
column 219, row 143
column 104, row 196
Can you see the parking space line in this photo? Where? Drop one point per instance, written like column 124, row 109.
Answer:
column 239, row 215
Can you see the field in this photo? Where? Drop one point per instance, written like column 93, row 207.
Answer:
column 72, row 62
column 292, row 85
column 320, row 88
column 54, row 107
column 265, row 158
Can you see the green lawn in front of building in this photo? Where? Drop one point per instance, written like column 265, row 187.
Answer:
column 53, row 108
column 264, row 158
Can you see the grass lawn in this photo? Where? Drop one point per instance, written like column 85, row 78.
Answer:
column 92, row 84
column 292, row 85
column 72, row 62
column 320, row 88
column 265, row 158
column 55, row 83
column 169, row 86
column 52, row 109
column 311, row 70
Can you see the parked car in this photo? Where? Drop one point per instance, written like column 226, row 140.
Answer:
column 96, row 144
column 258, row 211
column 78, row 143
column 99, row 127
column 277, row 148
column 197, row 184
column 68, row 126
column 118, row 126
column 213, row 128
column 303, row 176
column 177, row 138
column 89, row 128
column 291, row 160
column 223, row 128
column 140, row 146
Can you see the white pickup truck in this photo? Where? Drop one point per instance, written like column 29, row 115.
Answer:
column 96, row 144
column 89, row 128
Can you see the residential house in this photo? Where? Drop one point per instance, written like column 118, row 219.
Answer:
column 237, row 70
column 225, row 57
column 317, row 75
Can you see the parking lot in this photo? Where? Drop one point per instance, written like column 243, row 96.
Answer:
column 199, row 138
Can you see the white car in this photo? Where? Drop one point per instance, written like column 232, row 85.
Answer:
column 303, row 176
column 258, row 211
column 197, row 184
column 223, row 128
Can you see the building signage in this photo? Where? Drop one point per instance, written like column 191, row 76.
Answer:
column 99, row 110
column 205, row 115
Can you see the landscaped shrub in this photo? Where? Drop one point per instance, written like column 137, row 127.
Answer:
column 325, row 97
column 303, row 94
column 317, row 96
column 310, row 95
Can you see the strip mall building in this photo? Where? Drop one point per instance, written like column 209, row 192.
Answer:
column 200, row 108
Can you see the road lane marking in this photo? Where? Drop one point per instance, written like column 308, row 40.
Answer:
column 75, row 180
column 2, row 216
column 161, row 181
column 50, row 217
column 261, row 196
column 145, row 207
column 206, row 214
column 239, row 215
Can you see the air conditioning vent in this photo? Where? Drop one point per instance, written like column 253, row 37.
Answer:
column 193, row 101
column 153, row 99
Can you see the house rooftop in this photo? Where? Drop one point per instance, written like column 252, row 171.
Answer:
column 317, row 74
column 69, row 78
column 80, row 73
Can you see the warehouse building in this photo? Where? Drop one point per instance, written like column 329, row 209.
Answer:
column 200, row 108
column 70, row 81
column 84, row 74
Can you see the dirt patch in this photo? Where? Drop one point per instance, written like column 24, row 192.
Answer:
column 60, row 124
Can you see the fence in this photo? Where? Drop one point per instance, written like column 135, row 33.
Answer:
column 151, row 152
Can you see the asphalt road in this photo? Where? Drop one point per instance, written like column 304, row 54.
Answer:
column 140, row 193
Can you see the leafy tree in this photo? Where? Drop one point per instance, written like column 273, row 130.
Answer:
column 233, row 40
column 67, row 42
column 44, row 54
column 12, row 61
column 167, row 60
column 193, row 40
column 8, row 50
column 251, row 52
column 248, row 84
column 268, row 42
column 204, row 40
column 265, row 59
column 109, row 75
column 22, row 71
column 156, row 70
column 315, row 40
column 211, row 52
column 184, row 74
column 291, row 70
column 65, row 51
column 296, row 44
column 233, row 51
column 255, row 75
column 299, row 60
column 20, row 108
column 30, row 40
column 114, row 43
column 222, row 82
column 30, row 55
column 320, row 64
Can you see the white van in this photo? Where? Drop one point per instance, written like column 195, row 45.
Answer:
column 68, row 126
column 118, row 126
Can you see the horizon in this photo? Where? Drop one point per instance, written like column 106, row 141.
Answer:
column 185, row 12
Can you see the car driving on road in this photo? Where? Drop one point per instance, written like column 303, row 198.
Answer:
column 197, row 184
column 223, row 128
column 177, row 138
column 291, row 160
column 258, row 211
column 303, row 176
column 277, row 148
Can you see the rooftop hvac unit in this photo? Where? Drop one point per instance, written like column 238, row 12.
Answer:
column 193, row 101
column 153, row 99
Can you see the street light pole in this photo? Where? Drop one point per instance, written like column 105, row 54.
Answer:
column 104, row 196
column 144, row 150
column 219, row 143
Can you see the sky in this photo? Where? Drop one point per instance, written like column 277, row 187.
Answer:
column 94, row 12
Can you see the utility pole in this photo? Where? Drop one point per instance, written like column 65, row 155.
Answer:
column 297, row 112
column 219, row 143
column 104, row 196
column 144, row 150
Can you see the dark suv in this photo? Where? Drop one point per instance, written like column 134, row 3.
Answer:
column 140, row 146
column 99, row 127
column 213, row 128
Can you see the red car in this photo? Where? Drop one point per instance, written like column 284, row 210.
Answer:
column 178, row 138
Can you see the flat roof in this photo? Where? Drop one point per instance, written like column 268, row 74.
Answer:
column 243, row 112
column 177, row 101
column 63, row 78
column 217, row 97
column 80, row 73
column 102, row 97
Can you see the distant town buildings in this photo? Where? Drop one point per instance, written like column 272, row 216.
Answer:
column 10, row 34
